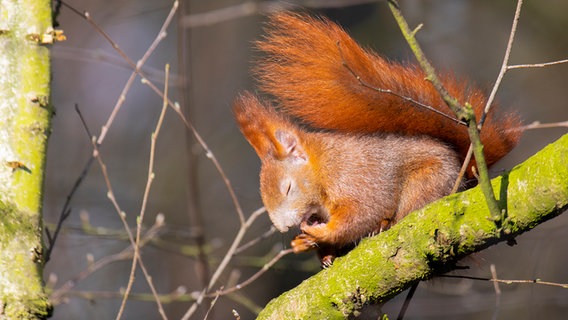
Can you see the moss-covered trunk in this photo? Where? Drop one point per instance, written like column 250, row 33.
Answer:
column 24, row 128
column 429, row 241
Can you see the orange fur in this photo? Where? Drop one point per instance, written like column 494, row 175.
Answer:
column 306, row 69
column 380, row 156
column 341, row 187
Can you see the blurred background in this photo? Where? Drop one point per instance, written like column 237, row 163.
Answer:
column 209, row 47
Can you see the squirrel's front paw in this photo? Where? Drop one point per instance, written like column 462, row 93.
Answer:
column 303, row 242
column 317, row 231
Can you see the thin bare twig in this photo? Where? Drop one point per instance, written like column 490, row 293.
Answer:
column 58, row 294
column 536, row 65
column 122, row 214
column 494, row 276
column 504, row 64
column 228, row 256
column 186, row 95
column 66, row 210
column 256, row 240
column 135, row 66
column 463, row 169
column 538, row 125
column 104, row 130
column 255, row 276
column 110, row 193
column 497, row 293
column 510, row 281
column 245, row 224
column 396, row 94
column 491, row 98
column 211, row 306
column 407, row 300
column 176, row 108
column 140, row 219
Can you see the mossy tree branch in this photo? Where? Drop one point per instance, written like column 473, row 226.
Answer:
column 25, row 28
column 431, row 240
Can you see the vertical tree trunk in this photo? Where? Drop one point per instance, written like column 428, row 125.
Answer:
column 24, row 127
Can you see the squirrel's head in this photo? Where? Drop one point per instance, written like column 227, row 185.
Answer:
column 288, row 185
column 288, row 182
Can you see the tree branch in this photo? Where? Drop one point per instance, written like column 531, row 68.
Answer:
column 25, row 122
column 430, row 241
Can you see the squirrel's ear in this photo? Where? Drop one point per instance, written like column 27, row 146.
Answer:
column 269, row 133
column 288, row 145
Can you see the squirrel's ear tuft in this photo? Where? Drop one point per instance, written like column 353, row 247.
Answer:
column 269, row 133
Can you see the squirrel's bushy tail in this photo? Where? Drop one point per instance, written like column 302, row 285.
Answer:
column 320, row 75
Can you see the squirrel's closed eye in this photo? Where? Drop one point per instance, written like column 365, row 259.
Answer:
column 287, row 188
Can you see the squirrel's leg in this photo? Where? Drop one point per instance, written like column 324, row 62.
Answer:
column 337, row 236
column 434, row 180
column 347, row 224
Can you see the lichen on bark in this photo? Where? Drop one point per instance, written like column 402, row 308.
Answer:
column 24, row 127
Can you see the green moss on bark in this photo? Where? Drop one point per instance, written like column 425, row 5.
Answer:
column 24, row 127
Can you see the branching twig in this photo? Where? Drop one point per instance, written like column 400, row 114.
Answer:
column 462, row 112
column 428, row 69
column 493, row 93
column 66, row 211
column 234, row 246
column 127, row 253
column 251, row 243
column 188, row 125
column 135, row 66
column 140, row 219
column 255, row 276
column 121, row 214
column 105, row 128
column 245, row 224
column 504, row 64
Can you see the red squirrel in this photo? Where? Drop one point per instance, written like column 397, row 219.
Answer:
column 367, row 154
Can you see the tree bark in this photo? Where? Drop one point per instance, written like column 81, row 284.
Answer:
column 25, row 28
column 431, row 240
